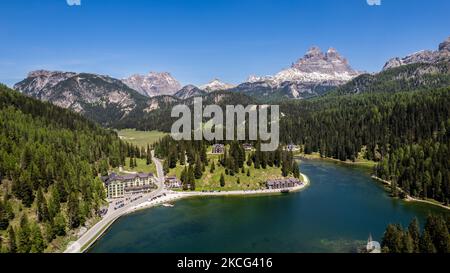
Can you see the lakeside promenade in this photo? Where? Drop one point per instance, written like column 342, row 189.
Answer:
column 156, row 198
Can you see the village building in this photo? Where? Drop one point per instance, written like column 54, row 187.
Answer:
column 218, row 149
column 291, row 148
column 373, row 246
column 172, row 182
column 247, row 146
column 285, row 183
column 118, row 186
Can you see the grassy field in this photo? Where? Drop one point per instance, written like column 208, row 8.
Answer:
column 142, row 166
column 358, row 162
column 211, row 181
column 140, row 138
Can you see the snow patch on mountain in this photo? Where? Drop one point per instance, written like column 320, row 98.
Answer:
column 216, row 85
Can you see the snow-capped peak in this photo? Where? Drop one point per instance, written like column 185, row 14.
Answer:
column 314, row 67
column 216, row 85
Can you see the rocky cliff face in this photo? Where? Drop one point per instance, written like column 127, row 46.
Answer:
column 153, row 84
column 310, row 76
column 189, row 91
column 99, row 97
column 425, row 56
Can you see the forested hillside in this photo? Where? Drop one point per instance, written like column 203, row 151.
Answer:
column 418, row 76
column 434, row 238
column 49, row 163
column 408, row 132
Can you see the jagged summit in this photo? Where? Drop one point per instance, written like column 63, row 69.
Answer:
column 314, row 67
column 153, row 84
column 331, row 62
column 423, row 56
column 216, row 85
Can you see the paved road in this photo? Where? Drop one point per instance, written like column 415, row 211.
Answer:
column 94, row 232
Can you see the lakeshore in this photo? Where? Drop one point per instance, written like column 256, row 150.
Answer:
column 335, row 213
column 409, row 198
column 171, row 196
column 160, row 197
column 369, row 165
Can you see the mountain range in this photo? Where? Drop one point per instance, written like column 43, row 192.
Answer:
column 424, row 56
column 108, row 100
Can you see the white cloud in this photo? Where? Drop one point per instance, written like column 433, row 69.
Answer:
column 73, row 2
column 374, row 2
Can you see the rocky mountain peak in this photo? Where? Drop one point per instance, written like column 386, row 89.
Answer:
column 314, row 52
column 215, row 85
column 315, row 61
column 424, row 56
column 153, row 84
column 445, row 45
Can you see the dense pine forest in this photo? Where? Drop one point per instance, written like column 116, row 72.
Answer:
column 50, row 159
column 406, row 132
column 434, row 237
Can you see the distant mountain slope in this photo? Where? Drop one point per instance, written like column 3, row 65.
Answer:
column 100, row 98
column 153, row 84
column 216, row 85
column 404, row 78
column 157, row 114
column 189, row 91
column 424, row 56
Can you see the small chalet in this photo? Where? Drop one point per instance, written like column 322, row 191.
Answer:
column 172, row 182
column 247, row 146
column 218, row 149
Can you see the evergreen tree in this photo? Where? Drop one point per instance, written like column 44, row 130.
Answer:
column 149, row 155
column 198, row 170
column 41, row 204
column 222, row 180
column 59, row 226
column 414, row 231
column 296, row 170
column 426, row 244
column 23, row 236
column 12, row 248
column 437, row 228
column 73, row 211
column 166, row 168
column 213, row 167
column 37, row 241
column 132, row 163
column 407, row 243
column 191, row 177
column 4, row 220
column 392, row 239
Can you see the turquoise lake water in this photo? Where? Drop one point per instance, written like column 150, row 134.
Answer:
column 336, row 213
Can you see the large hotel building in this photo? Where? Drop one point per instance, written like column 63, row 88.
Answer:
column 118, row 186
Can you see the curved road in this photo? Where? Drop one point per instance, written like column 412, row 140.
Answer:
column 96, row 231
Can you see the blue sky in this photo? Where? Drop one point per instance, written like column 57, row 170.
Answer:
column 198, row 40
